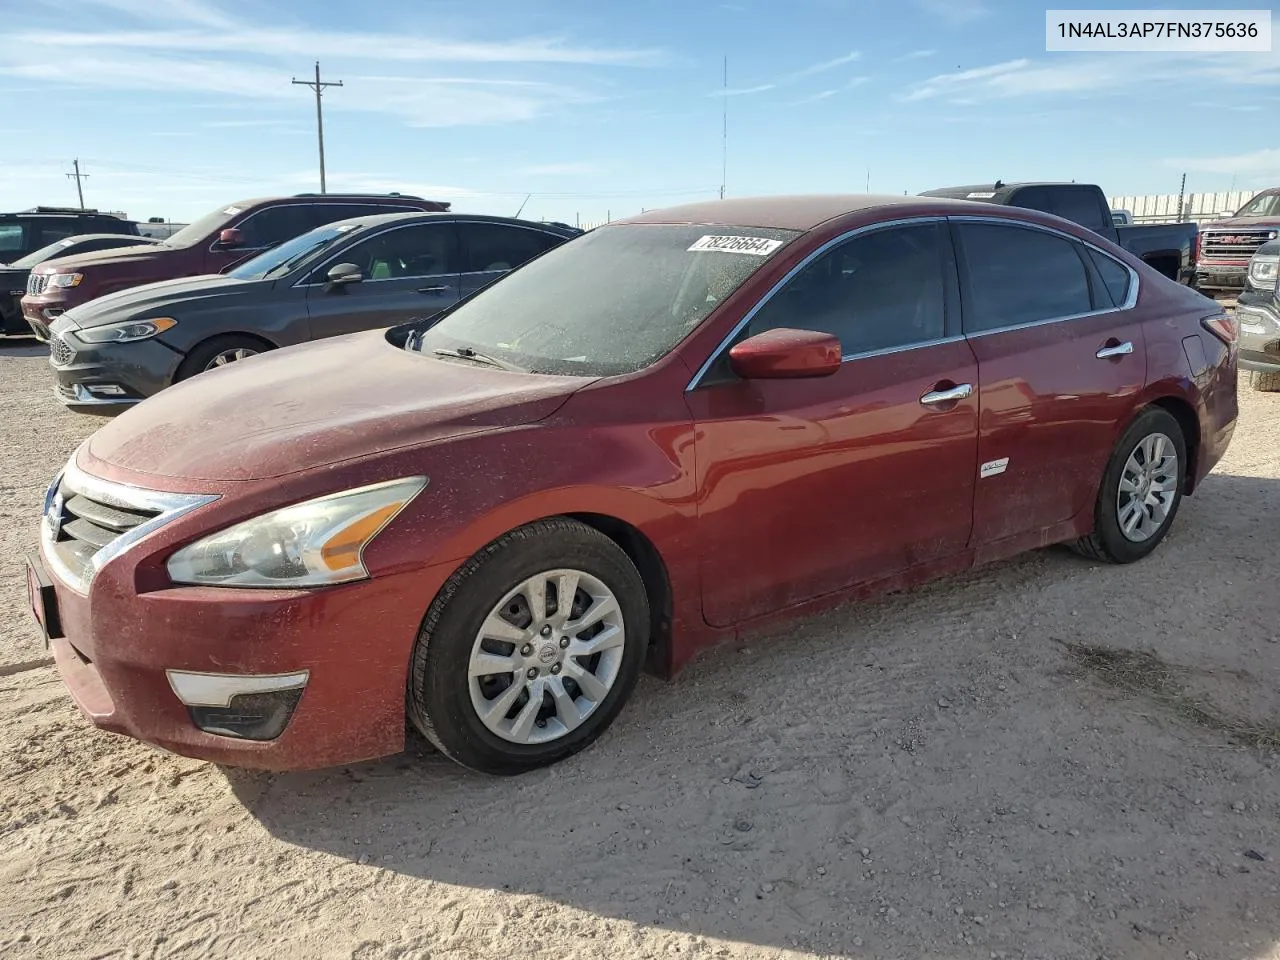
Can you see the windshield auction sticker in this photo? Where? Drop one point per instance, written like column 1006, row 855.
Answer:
column 1153, row 31
column 757, row 246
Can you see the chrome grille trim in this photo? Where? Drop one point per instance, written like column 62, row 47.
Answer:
column 1233, row 244
column 65, row 556
column 36, row 283
column 60, row 352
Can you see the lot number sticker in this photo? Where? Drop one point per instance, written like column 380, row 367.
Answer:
column 757, row 246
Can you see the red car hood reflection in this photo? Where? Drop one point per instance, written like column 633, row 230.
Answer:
column 292, row 410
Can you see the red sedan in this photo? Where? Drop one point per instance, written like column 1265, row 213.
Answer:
column 641, row 443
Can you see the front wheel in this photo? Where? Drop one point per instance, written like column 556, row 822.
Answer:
column 1140, row 492
column 531, row 649
column 219, row 352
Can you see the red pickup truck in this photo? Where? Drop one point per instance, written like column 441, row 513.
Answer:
column 1227, row 245
column 215, row 242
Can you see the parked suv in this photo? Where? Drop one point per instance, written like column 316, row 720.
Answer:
column 13, row 275
column 214, row 243
column 340, row 278
column 1227, row 245
column 27, row 231
column 1258, row 313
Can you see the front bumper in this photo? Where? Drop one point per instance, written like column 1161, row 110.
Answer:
column 104, row 377
column 1259, row 338
column 270, row 679
column 1225, row 276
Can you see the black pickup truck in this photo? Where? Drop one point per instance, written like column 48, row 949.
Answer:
column 1168, row 247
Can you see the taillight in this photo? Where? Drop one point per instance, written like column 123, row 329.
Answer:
column 1223, row 326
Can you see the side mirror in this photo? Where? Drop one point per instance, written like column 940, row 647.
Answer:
column 230, row 238
column 341, row 274
column 786, row 354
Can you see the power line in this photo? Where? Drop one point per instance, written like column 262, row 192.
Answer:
column 318, row 87
column 78, row 176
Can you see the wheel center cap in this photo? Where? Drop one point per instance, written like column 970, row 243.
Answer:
column 547, row 653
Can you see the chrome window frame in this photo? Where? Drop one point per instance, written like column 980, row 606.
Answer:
column 786, row 278
column 426, row 276
column 171, row 506
column 1130, row 301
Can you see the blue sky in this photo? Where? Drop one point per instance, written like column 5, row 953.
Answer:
column 177, row 106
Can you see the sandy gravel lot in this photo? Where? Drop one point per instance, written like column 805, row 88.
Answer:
column 1043, row 759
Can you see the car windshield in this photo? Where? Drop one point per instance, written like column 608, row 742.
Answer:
column 609, row 302
column 193, row 233
column 292, row 253
column 1263, row 205
column 56, row 249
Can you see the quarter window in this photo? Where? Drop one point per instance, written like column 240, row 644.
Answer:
column 1115, row 277
column 421, row 250
column 494, row 246
column 1017, row 276
column 875, row 291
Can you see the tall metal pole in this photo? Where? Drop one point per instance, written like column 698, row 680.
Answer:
column 78, row 177
column 1181, row 191
column 724, row 133
column 318, row 87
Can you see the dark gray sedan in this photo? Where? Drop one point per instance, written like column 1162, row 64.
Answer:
column 352, row 275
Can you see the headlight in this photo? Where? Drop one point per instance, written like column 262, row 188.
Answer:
column 309, row 544
column 1262, row 271
column 64, row 280
column 126, row 332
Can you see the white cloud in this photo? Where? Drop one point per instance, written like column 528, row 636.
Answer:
column 814, row 68
column 917, row 55
column 955, row 12
column 948, row 82
column 739, row 91
column 1258, row 166
column 179, row 11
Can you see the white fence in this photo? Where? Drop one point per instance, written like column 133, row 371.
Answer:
column 1199, row 207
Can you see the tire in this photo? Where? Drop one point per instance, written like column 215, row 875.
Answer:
column 445, row 701
column 1264, row 382
column 205, row 355
column 1109, row 541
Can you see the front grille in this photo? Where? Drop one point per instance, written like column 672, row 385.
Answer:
column 36, row 283
column 1232, row 244
column 60, row 353
column 85, row 524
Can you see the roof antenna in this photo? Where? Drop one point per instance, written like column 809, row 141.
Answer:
column 998, row 184
column 521, row 210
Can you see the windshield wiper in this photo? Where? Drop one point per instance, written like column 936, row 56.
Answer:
column 467, row 353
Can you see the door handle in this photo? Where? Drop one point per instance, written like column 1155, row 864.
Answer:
column 438, row 289
column 1115, row 350
column 959, row 392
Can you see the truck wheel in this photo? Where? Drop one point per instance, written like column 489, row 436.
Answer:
column 219, row 352
column 1140, row 492
column 1264, row 382
column 530, row 649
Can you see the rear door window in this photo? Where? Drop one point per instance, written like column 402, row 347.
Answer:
column 60, row 228
column 495, row 246
column 12, row 241
column 1017, row 275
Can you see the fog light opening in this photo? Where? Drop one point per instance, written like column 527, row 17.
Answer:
column 52, row 313
column 107, row 390
column 249, row 716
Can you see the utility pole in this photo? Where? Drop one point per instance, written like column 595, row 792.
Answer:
column 77, row 177
column 318, row 87
column 724, row 132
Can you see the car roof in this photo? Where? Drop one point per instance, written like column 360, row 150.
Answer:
column 997, row 189
column 798, row 212
column 81, row 237
column 381, row 219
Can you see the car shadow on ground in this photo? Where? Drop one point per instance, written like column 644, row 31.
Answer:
column 20, row 346
column 930, row 774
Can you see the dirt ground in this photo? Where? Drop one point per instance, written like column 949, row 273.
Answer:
column 1046, row 758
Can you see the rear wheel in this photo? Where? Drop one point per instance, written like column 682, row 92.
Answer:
column 1264, row 382
column 1141, row 490
column 220, row 352
column 531, row 649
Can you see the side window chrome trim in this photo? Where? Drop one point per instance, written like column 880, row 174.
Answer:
column 696, row 380
column 1130, row 301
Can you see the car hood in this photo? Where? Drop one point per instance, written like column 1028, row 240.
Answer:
column 159, row 299
column 296, row 409
column 1242, row 223
column 143, row 253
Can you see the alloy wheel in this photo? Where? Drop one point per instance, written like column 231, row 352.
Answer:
column 1149, row 488
column 230, row 356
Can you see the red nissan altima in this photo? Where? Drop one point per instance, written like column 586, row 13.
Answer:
column 659, row 434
